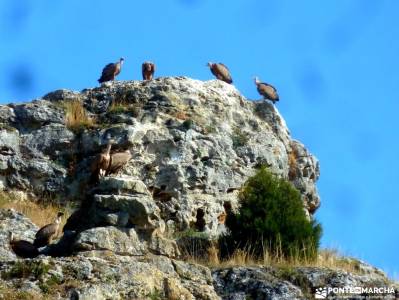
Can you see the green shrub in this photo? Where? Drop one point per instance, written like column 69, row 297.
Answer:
column 26, row 269
column 188, row 124
column 272, row 218
column 239, row 138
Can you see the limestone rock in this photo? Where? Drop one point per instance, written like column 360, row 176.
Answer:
column 118, row 240
column 117, row 265
column 194, row 144
column 142, row 211
column 122, row 185
column 163, row 246
column 22, row 227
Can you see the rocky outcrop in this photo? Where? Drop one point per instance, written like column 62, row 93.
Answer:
column 194, row 143
column 114, row 263
column 294, row 282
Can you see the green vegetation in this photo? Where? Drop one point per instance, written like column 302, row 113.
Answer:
column 239, row 138
column 210, row 129
column 188, row 124
column 271, row 220
column 46, row 285
column 10, row 293
column 7, row 127
column 155, row 295
column 119, row 107
column 190, row 233
column 26, row 269
column 76, row 116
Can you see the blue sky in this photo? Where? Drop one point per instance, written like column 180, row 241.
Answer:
column 335, row 65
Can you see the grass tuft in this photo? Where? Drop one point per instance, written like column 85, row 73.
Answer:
column 239, row 138
column 122, row 106
column 39, row 214
column 26, row 269
column 76, row 117
column 327, row 258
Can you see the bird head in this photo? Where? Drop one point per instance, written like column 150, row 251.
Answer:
column 109, row 139
column 121, row 60
column 10, row 236
column 256, row 79
column 147, row 65
column 59, row 217
column 209, row 64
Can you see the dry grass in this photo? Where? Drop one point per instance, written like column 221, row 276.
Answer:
column 181, row 115
column 327, row 258
column 292, row 157
column 123, row 106
column 9, row 293
column 76, row 117
column 118, row 106
column 39, row 214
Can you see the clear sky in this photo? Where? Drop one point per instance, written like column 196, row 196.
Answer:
column 334, row 62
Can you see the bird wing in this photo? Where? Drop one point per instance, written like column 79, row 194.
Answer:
column 118, row 160
column 267, row 90
column 108, row 72
column 224, row 72
column 117, row 68
column 46, row 230
column 143, row 68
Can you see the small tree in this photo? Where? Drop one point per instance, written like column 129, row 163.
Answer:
column 272, row 218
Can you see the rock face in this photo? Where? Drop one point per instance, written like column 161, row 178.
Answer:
column 292, row 283
column 194, row 144
column 113, row 263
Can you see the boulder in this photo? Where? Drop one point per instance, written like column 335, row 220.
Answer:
column 122, row 241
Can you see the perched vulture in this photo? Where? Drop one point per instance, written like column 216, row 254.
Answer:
column 220, row 71
column 118, row 161
column 148, row 69
column 101, row 162
column 23, row 248
column 46, row 233
column 111, row 70
column 266, row 90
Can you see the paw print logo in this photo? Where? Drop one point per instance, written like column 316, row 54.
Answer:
column 321, row 293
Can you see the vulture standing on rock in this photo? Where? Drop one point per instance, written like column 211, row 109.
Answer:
column 23, row 248
column 101, row 162
column 46, row 233
column 220, row 71
column 118, row 161
column 148, row 69
column 266, row 90
column 111, row 70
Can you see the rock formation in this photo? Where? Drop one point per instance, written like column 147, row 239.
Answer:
column 193, row 145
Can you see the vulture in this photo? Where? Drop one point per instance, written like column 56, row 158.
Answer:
column 118, row 161
column 23, row 248
column 266, row 90
column 101, row 162
column 220, row 71
column 148, row 69
column 46, row 233
column 111, row 70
